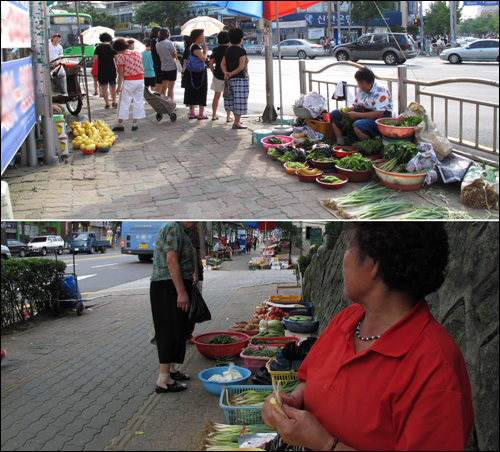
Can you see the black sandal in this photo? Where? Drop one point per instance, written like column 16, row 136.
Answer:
column 176, row 387
column 179, row 376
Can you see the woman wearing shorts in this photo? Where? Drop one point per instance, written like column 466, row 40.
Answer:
column 218, row 76
column 156, row 58
column 166, row 52
column 106, row 70
column 235, row 68
column 148, row 66
column 130, row 84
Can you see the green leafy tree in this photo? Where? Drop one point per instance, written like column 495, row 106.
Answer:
column 437, row 19
column 99, row 15
column 170, row 14
column 114, row 228
column 480, row 26
column 291, row 232
column 362, row 13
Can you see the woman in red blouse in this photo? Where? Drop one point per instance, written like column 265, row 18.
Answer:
column 385, row 375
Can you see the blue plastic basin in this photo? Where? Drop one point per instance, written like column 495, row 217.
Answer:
column 215, row 387
column 301, row 327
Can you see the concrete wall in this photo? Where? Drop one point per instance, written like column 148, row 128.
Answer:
column 467, row 305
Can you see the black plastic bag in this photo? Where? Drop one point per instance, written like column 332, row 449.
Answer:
column 262, row 377
column 199, row 311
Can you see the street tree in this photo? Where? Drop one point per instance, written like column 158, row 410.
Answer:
column 437, row 19
column 99, row 15
column 168, row 14
column 115, row 225
column 362, row 13
column 479, row 26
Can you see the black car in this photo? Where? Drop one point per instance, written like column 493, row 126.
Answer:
column 18, row 248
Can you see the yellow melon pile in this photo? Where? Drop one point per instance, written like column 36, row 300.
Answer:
column 89, row 136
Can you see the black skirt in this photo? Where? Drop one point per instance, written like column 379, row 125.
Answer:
column 194, row 96
column 171, row 323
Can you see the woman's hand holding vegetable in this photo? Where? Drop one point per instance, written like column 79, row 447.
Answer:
column 268, row 410
column 352, row 115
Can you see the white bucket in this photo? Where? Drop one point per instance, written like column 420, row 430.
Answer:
column 7, row 213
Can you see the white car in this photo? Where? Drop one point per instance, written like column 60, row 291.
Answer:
column 480, row 50
column 300, row 48
column 47, row 243
column 6, row 252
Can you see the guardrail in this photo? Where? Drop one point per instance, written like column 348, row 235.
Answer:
column 327, row 88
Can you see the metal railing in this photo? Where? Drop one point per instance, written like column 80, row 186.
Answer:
column 472, row 141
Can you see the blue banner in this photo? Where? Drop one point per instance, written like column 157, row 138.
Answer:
column 18, row 106
column 321, row 19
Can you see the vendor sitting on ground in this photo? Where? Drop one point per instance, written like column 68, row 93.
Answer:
column 219, row 249
column 385, row 374
column 372, row 102
column 228, row 252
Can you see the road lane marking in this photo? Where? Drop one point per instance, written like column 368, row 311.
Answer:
column 85, row 277
column 104, row 265
column 100, row 257
column 114, row 290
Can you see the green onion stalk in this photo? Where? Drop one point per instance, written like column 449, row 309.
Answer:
column 384, row 209
column 225, row 437
column 369, row 194
column 252, row 398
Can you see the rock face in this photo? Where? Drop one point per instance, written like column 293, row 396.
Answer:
column 466, row 305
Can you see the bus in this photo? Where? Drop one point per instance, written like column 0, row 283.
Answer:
column 66, row 24
column 138, row 238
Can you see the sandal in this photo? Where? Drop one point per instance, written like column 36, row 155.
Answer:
column 202, row 117
column 176, row 387
column 193, row 117
column 179, row 376
column 107, row 107
column 230, row 120
column 215, row 119
column 239, row 127
column 114, row 105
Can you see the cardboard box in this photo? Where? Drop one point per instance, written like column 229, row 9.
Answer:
column 289, row 290
column 283, row 257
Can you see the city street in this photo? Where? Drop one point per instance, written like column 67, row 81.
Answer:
column 86, row 383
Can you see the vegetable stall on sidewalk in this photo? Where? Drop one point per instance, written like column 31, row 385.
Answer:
column 410, row 154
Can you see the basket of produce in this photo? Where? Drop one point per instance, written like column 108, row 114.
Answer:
column 273, row 141
column 324, row 163
column 356, row 167
column 332, row 182
column 216, row 345
column 345, row 151
column 308, row 174
column 274, row 154
column 398, row 128
column 387, row 141
column 298, row 309
column 274, row 340
column 301, row 324
column 299, row 138
column 255, row 356
column 306, row 144
column 325, row 128
column 215, row 378
column 392, row 171
column 302, row 113
column 284, row 376
column 370, row 148
column 243, row 404
column 270, row 328
column 291, row 167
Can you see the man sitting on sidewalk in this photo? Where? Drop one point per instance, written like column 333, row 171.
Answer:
column 219, row 250
column 228, row 252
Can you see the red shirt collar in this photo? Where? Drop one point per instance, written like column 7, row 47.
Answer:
column 398, row 339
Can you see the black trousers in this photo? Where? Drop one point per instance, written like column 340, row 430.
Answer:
column 171, row 323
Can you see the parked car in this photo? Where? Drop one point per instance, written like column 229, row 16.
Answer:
column 300, row 48
column 480, row 50
column 6, row 252
column 47, row 243
column 86, row 242
column 392, row 48
column 18, row 248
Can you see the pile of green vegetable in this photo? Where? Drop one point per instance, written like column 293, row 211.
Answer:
column 397, row 156
column 274, row 152
column 307, row 144
column 326, row 160
column 287, row 157
column 271, row 328
column 225, row 437
column 369, row 147
column 295, row 165
column 409, row 121
column 253, row 398
column 346, row 122
column 263, row 352
column 275, row 140
column 355, row 162
column 316, row 154
column 301, row 318
column 331, row 180
column 221, row 339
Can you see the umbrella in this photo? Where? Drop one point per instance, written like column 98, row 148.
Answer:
column 91, row 35
column 138, row 45
column 209, row 25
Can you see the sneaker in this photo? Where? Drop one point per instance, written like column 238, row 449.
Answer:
column 134, row 128
column 3, row 354
column 118, row 129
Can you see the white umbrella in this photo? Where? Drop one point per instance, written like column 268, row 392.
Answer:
column 209, row 25
column 138, row 45
column 91, row 35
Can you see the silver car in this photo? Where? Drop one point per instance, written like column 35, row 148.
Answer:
column 5, row 252
column 480, row 50
column 300, row 48
column 44, row 244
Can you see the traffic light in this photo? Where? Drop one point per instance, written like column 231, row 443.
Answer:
column 415, row 21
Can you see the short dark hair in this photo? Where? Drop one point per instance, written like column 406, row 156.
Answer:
column 235, row 35
column 187, row 41
column 223, row 37
column 105, row 37
column 131, row 41
column 147, row 42
column 120, row 45
column 195, row 34
column 412, row 256
column 365, row 74
column 163, row 34
column 154, row 32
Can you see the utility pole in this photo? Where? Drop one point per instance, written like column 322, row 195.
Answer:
column 201, row 233
column 453, row 21
column 269, row 114
column 339, row 29
column 349, row 21
column 329, row 19
column 422, row 25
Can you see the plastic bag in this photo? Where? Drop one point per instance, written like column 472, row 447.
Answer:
column 199, row 311
column 453, row 168
column 343, row 93
column 271, row 328
column 310, row 133
column 228, row 375
column 313, row 102
column 58, row 78
column 424, row 160
column 427, row 131
column 480, row 189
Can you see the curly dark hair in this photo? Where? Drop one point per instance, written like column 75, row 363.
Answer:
column 223, row 37
column 120, row 45
column 412, row 256
column 365, row 74
column 105, row 37
column 236, row 35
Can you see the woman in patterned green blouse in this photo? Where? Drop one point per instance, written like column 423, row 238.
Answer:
column 171, row 285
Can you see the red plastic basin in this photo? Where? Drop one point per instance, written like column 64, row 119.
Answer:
column 216, row 351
